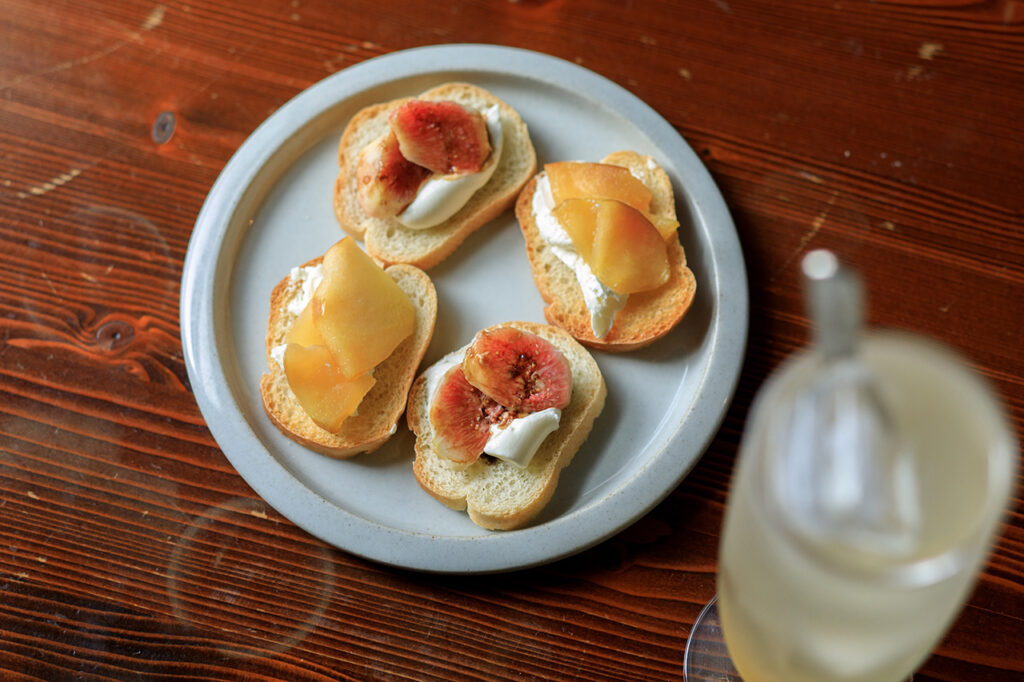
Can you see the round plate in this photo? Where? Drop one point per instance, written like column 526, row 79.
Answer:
column 271, row 209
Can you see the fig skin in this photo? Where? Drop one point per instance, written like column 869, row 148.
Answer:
column 442, row 136
column 518, row 370
column 461, row 417
column 387, row 181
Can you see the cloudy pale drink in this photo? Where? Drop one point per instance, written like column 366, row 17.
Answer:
column 805, row 596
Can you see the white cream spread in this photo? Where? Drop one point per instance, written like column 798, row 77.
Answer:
column 518, row 441
column 441, row 196
column 277, row 353
column 308, row 278
column 602, row 302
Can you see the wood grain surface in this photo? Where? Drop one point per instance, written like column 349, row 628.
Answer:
column 889, row 131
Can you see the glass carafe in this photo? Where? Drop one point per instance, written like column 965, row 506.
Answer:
column 872, row 476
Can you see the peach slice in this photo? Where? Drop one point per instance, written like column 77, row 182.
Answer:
column 624, row 250
column 361, row 314
column 587, row 180
column 303, row 330
column 320, row 387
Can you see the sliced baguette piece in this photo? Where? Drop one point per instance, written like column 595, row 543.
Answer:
column 499, row 495
column 377, row 416
column 386, row 239
column 648, row 315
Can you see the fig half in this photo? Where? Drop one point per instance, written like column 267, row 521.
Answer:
column 442, row 136
column 386, row 181
column 461, row 418
column 518, row 370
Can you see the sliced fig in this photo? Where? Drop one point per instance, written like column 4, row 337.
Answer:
column 461, row 418
column 518, row 370
column 386, row 181
column 442, row 136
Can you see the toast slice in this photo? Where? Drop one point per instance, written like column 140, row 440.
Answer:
column 647, row 315
column 499, row 495
column 377, row 416
column 386, row 239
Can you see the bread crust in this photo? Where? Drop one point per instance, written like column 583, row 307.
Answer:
column 386, row 239
column 498, row 495
column 648, row 315
column 380, row 410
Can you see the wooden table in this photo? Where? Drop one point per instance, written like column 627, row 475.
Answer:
column 131, row 549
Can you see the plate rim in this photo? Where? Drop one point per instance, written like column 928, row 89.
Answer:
column 201, row 328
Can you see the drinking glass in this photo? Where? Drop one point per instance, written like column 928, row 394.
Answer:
column 871, row 479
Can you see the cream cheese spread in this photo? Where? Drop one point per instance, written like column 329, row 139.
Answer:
column 308, row 278
column 277, row 353
column 520, row 439
column 602, row 302
column 441, row 196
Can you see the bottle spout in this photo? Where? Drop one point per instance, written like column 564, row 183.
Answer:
column 834, row 297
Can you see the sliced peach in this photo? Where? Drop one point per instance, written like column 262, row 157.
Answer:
column 303, row 331
column 666, row 227
column 624, row 250
column 361, row 314
column 587, row 180
column 320, row 387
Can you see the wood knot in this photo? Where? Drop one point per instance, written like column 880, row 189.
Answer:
column 114, row 335
column 163, row 127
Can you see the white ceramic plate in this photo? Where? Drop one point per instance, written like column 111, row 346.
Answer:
column 271, row 209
